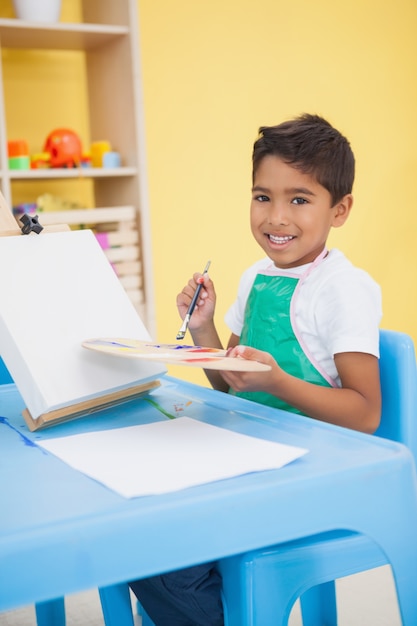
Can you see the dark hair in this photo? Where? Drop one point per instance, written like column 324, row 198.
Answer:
column 310, row 144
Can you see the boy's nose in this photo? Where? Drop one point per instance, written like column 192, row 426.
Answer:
column 278, row 214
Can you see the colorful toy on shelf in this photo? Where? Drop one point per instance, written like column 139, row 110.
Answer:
column 98, row 148
column 26, row 207
column 111, row 159
column 18, row 154
column 17, row 147
column 48, row 11
column 40, row 160
column 48, row 202
column 19, row 163
column 86, row 159
column 45, row 203
column 64, row 147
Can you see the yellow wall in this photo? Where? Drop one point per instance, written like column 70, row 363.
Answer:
column 213, row 72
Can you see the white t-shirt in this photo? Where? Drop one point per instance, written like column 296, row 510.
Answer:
column 338, row 309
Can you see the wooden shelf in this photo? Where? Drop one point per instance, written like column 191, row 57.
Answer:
column 81, row 172
column 108, row 39
column 99, row 215
column 19, row 34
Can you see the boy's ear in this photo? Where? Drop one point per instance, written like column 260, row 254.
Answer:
column 342, row 210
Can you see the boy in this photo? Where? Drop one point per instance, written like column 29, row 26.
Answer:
column 303, row 310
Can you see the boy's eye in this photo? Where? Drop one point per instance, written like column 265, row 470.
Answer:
column 261, row 198
column 299, row 201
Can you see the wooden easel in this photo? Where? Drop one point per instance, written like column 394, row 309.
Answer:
column 87, row 407
column 8, row 228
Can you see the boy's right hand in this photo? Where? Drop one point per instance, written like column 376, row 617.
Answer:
column 204, row 310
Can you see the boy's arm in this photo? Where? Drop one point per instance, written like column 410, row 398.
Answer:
column 356, row 405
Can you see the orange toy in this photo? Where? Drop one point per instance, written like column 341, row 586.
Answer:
column 17, row 148
column 64, row 147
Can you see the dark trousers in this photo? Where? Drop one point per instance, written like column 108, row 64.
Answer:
column 187, row 597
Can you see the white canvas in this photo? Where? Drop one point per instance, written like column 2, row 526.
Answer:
column 56, row 289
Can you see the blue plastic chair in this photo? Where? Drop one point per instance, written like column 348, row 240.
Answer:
column 260, row 587
column 51, row 613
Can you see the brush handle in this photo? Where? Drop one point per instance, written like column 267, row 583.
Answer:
column 184, row 327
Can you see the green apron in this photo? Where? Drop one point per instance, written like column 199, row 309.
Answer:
column 267, row 326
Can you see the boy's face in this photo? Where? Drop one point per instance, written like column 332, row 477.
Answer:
column 291, row 213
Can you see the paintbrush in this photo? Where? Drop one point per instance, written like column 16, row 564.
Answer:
column 183, row 329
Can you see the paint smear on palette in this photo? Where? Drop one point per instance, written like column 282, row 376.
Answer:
column 188, row 349
column 159, row 349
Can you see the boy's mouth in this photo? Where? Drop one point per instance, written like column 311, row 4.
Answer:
column 281, row 239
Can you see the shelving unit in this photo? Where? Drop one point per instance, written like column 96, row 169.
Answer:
column 108, row 36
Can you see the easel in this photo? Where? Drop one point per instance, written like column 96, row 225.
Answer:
column 8, row 228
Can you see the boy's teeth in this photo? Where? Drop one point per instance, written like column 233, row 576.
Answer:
column 280, row 239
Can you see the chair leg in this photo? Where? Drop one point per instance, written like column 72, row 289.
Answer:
column 50, row 613
column 116, row 605
column 318, row 605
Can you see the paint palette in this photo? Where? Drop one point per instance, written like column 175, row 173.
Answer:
column 178, row 354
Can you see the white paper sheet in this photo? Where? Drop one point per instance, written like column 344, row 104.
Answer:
column 167, row 456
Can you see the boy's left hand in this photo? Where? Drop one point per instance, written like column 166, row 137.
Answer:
column 252, row 381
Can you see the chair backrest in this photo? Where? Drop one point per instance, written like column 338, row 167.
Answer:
column 399, row 389
column 5, row 377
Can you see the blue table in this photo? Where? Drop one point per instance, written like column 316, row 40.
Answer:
column 61, row 532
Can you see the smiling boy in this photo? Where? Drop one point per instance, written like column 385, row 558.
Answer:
column 306, row 311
